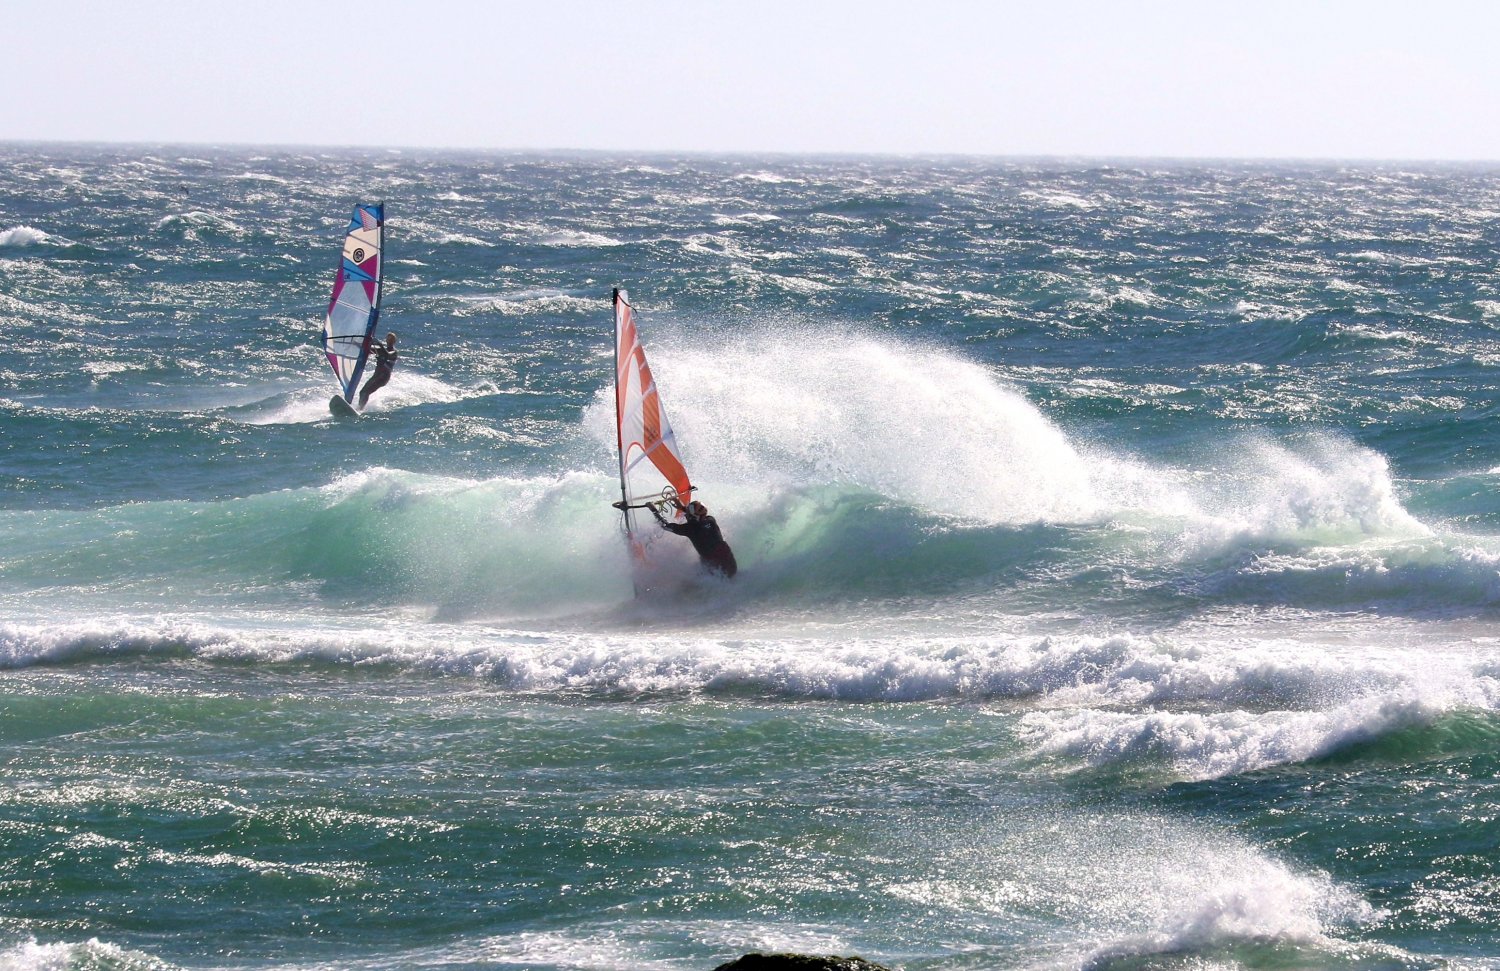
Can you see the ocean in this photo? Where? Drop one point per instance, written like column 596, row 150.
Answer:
column 1119, row 551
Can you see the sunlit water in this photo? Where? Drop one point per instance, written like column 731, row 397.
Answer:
column 1120, row 563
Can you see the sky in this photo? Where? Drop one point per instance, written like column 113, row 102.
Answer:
column 1129, row 78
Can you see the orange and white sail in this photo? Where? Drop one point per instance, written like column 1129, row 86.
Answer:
column 650, row 465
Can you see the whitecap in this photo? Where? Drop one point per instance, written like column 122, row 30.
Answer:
column 23, row 236
column 567, row 237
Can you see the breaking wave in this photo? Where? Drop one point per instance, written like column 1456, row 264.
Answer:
column 23, row 236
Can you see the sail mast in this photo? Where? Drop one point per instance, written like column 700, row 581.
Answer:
column 620, row 297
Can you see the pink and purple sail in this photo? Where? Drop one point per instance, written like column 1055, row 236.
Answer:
column 352, row 313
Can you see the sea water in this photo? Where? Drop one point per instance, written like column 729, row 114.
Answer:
column 1119, row 547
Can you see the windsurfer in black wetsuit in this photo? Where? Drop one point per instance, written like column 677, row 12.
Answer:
column 703, row 531
column 385, row 361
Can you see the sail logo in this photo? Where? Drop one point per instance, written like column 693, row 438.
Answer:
column 361, row 245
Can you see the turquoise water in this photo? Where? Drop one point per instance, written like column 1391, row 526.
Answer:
column 1119, row 545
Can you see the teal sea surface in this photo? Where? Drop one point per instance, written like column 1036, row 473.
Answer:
column 1119, row 548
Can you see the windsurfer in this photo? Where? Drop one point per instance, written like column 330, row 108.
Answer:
column 385, row 361
column 703, row 531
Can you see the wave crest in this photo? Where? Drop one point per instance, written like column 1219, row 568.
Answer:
column 23, row 236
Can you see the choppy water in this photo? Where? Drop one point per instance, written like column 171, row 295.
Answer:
column 1120, row 566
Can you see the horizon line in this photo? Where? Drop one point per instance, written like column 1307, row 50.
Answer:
column 755, row 153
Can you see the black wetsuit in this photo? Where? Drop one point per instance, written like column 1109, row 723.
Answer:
column 706, row 538
column 385, row 360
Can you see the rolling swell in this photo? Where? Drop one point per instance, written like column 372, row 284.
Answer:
column 382, row 534
column 551, row 546
column 523, row 546
column 843, row 467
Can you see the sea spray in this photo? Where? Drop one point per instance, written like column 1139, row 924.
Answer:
column 1117, row 541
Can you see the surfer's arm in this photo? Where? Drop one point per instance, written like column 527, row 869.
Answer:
column 680, row 529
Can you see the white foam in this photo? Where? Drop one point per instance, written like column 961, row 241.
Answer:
column 1375, row 256
column 301, row 407
column 921, row 426
column 708, row 244
column 1213, row 708
column 1120, row 884
column 797, row 284
column 769, row 178
column 1210, row 745
column 409, row 388
column 192, row 222
column 443, row 239
column 261, row 177
column 23, row 236
column 32, row 956
column 569, row 237
column 1059, row 199
column 1133, row 296
column 744, row 219
column 526, row 302
column 406, row 389
column 1217, row 890
column 775, row 406
column 620, row 945
column 103, row 369
column 1322, row 486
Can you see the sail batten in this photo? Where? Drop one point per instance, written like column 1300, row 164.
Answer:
column 650, row 465
column 354, row 308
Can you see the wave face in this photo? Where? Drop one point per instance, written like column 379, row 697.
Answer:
column 1119, row 547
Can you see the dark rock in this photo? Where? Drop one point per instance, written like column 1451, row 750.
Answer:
column 798, row 962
